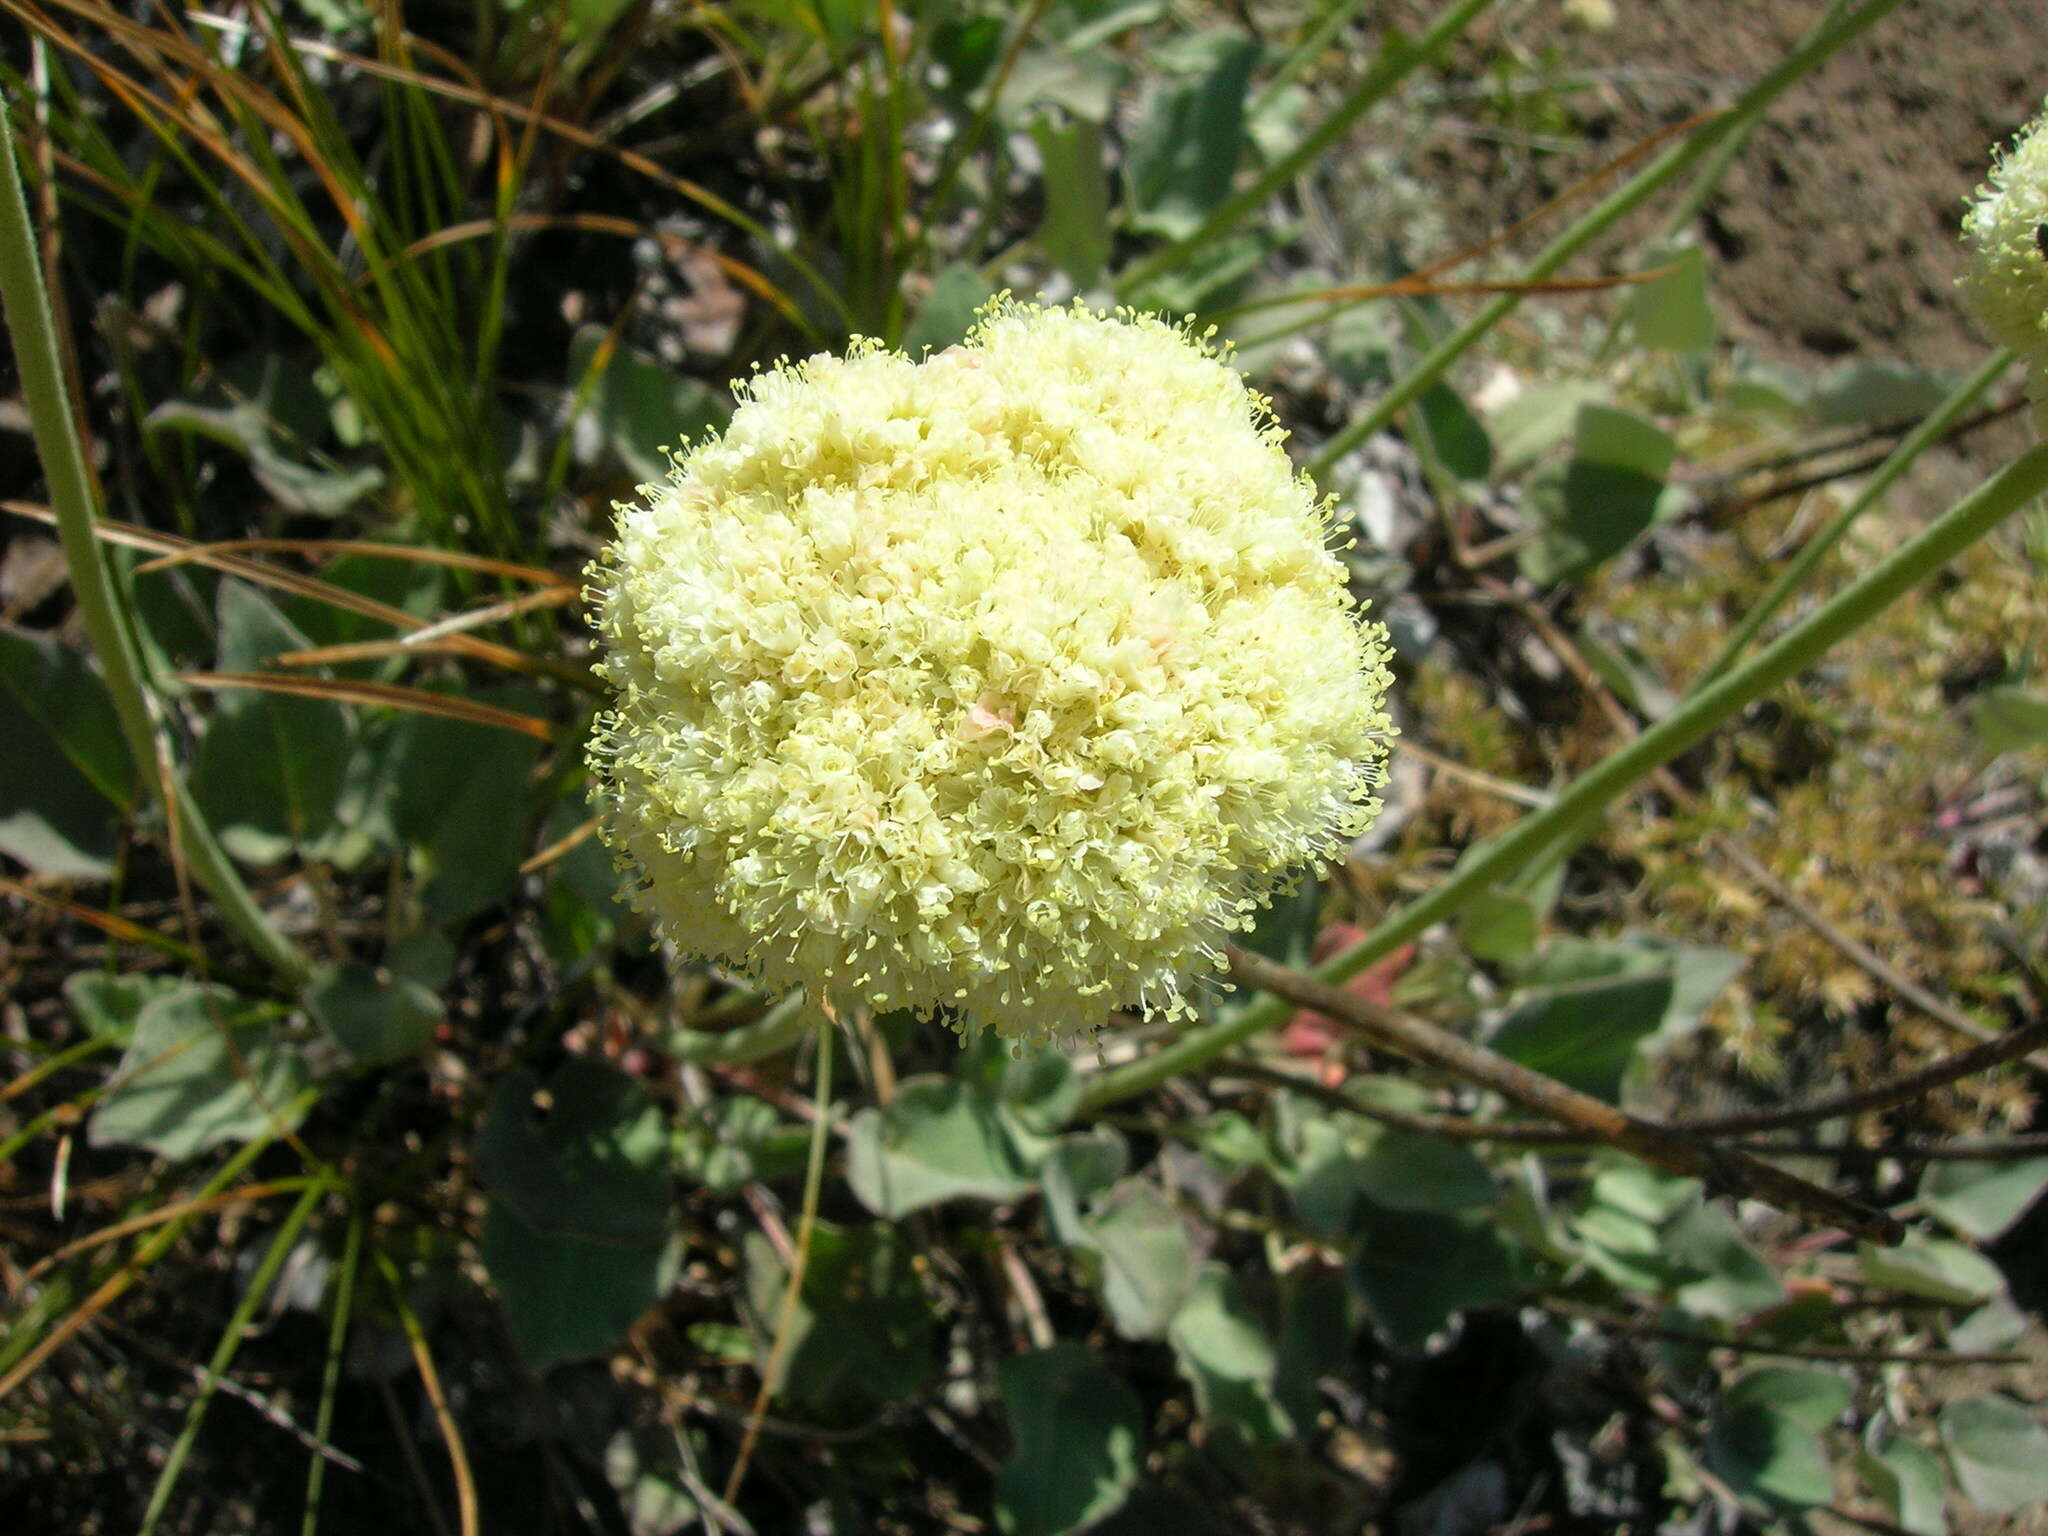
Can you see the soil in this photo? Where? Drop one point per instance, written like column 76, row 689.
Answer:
column 1835, row 231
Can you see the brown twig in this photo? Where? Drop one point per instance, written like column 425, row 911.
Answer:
column 1848, row 1354
column 1728, row 509
column 1724, row 1169
column 1898, row 1090
column 1524, row 1133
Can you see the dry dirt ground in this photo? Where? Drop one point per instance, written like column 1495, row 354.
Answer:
column 1834, row 235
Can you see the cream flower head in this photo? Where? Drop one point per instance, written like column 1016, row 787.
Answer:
column 1006, row 682
column 2006, row 280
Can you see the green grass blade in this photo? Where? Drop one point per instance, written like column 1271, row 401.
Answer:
column 330, row 1375
column 1915, row 443
column 33, row 331
column 224, row 1353
column 1798, row 648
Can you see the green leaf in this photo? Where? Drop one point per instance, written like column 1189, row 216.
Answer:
column 1074, row 233
column 568, row 1297
column 1933, row 1267
column 957, row 294
column 647, row 1468
column 1146, row 1258
column 203, row 1068
column 583, row 1155
column 270, row 767
column 1320, row 1319
column 1733, row 1280
column 1606, row 496
column 1082, row 85
column 1228, row 1360
column 638, row 410
column 1875, row 394
column 1981, row 1200
column 578, row 1239
column 2009, row 719
column 318, row 490
column 1672, row 312
column 1286, row 931
column 1535, row 421
column 1812, row 1399
column 1646, row 1193
column 736, row 1141
column 1078, row 1428
column 863, row 1326
column 1624, row 668
column 1999, row 1451
column 979, row 1133
column 108, row 1005
column 373, row 1015
column 1906, row 1476
column 965, row 48
column 65, row 778
column 1416, row 1270
column 1343, row 1170
column 1453, row 433
column 1185, row 151
column 1081, row 25
column 1079, row 1170
column 1998, row 1324
column 1767, row 1455
column 1230, row 1142
column 459, row 795
column 1767, row 388
column 1499, row 926
column 937, row 1139
column 1586, row 1035
column 1698, row 972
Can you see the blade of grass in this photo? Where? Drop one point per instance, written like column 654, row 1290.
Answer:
column 1380, row 80
column 569, row 132
column 354, row 691
column 1616, row 205
column 417, row 554
column 300, row 585
column 71, row 1055
column 330, row 1374
column 785, row 1321
column 37, row 1345
column 244, row 1194
column 1796, row 570
column 1585, row 797
column 30, row 325
column 224, row 1353
column 109, row 923
column 1306, row 50
column 423, row 1360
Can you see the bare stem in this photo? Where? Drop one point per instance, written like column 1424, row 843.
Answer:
column 1724, row 1169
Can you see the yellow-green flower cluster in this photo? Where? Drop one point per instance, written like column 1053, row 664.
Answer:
column 2006, row 279
column 1006, row 682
